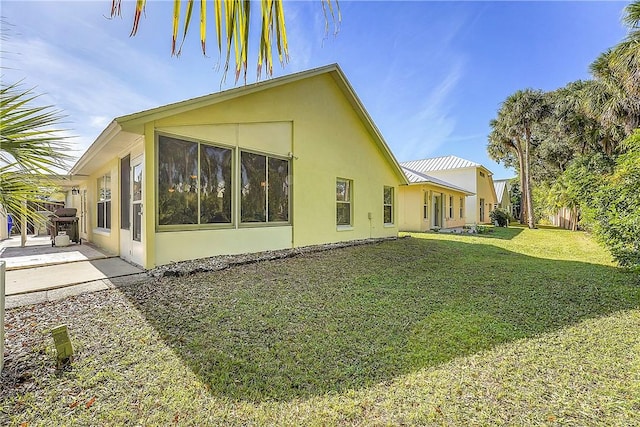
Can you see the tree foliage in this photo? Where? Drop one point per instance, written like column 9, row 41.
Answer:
column 617, row 206
column 31, row 149
column 514, row 138
column 583, row 149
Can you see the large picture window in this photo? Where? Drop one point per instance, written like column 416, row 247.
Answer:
column 194, row 183
column 343, row 202
column 388, row 205
column 104, row 202
column 215, row 185
column 264, row 188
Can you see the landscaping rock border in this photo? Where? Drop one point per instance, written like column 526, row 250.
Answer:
column 222, row 262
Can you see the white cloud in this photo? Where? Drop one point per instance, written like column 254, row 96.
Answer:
column 99, row 122
column 433, row 123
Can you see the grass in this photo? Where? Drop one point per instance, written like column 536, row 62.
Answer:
column 518, row 326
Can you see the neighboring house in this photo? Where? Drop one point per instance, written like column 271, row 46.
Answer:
column 288, row 162
column 503, row 193
column 465, row 174
column 429, row 203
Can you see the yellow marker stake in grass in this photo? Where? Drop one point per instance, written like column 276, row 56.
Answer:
column 63, row 345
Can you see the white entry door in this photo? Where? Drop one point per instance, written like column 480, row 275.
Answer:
column 137, row 210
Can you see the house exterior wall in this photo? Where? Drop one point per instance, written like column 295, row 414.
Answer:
column 312, row 123
column 470, row 179
column 412, row 200
column 453, row 219
column 107, row 239
column 486, row 191
column 467, row 179
column 504, row 200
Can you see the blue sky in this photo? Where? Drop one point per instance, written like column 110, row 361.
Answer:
column 431, row 74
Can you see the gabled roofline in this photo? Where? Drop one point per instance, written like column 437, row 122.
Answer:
column 131, row 120
column 105, row 136
column 369, row 121
column 437, row 182
column 134, row 123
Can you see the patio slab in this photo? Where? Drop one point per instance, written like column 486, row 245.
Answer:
column 26, row 280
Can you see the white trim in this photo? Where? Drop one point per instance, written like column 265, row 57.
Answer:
column 102, row 231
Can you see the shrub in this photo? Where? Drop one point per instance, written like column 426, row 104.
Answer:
column 617, row 207
column 500, row 217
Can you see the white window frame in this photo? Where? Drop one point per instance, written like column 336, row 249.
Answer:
column 384, row 204
column 450, row 206
column 349, row 182
column 425, row 206
column 106, row 202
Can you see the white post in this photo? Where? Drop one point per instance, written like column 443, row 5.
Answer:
column 2, row 270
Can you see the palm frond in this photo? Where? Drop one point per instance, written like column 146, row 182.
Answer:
column 28, row 140
column 232, row 24
column 632, row 15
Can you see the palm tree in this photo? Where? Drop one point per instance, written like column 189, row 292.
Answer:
column 514, row 128
column 617, row 72
column 31, row 150
column 234, row 28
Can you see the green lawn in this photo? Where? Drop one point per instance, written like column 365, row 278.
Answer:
column 517, row 326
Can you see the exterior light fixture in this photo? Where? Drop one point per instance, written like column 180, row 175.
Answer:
column 75, row 191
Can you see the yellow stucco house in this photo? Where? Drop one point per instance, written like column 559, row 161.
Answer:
column 430, row 203
column 289, row 162
column 464, row 174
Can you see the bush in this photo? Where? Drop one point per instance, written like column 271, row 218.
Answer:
column 617, row 207
column 499, row 217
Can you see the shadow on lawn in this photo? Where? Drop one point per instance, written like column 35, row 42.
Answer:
column 350, row 318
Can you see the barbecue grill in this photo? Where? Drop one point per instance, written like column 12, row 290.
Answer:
column 64, row 220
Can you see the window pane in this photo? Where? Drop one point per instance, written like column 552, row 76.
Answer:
column 137, row 182
column 253, row 173
column 137, row 222
column 107, row 214
column 107, row 187
column 102, row 194
column 278, row 190
column 343, row 213
column 388, row 217
column 215, row 185
column 343, row 190
column 388, row 195
column 100, row 215
column 177, row 181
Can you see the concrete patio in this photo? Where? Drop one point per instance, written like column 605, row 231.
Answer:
column 40, row 272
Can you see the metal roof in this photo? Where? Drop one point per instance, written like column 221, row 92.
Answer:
column 500, row 186
column 439, row 163
column 416, row 177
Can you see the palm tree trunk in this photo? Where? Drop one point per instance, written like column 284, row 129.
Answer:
column 523, row 187
column 531, row 220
